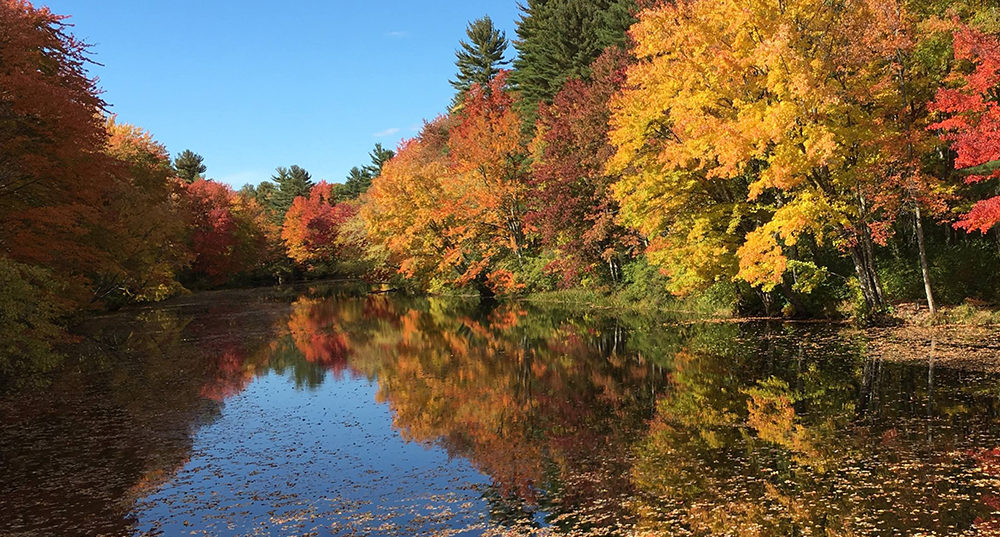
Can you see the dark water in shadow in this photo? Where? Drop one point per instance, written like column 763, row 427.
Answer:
column 326, row 411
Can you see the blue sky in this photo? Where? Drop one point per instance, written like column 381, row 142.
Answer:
column 252, row 85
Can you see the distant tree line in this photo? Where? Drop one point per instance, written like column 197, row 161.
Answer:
column 781, row 157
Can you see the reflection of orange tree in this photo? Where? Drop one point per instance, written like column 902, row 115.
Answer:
column 314, row 328
column 308, row 342
column 536, row 407
column 759, row 440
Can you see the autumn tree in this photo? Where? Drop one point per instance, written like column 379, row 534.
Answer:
column 146, row 224
column 190, row 166
column 971, row 107
column 312, row 225
column 488, row 161
column 903, row 73
column 776, row 94
column 450, row 205
column 480, row 59
column 403, row 211
column 53, row 170
column 572, row 203
column 230, row 236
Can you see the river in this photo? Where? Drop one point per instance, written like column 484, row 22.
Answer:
column 325, row 410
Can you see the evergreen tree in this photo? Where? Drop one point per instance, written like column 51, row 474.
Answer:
column 290, row 183
column 559, row 40
column 481, row 57
column 189, row 166
column 261, row 193
column 379, row 156
column 359, row 179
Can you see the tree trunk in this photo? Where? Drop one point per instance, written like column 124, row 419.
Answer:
column 876, row 280
column 485, row 292
column 801, row 312
column 864, row 264
column 924, row 266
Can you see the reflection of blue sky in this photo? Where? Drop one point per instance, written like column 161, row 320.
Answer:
column 278, row 455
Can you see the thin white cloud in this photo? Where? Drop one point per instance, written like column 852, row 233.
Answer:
column 397, row 35
column 387, row 132
column 416, row 127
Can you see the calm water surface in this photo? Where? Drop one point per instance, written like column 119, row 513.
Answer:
column 326, row 411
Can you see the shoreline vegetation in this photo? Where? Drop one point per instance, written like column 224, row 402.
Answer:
column 786, row 160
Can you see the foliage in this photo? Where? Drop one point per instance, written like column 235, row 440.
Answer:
column 30, row 321
column 573, row 208
column 644, row 282
column 973, row 122
column 312, row 226
column 146, row 223
column 719, row 151
column 746, row 129
column 230, row 235
column 52, row 165
column 450, row 204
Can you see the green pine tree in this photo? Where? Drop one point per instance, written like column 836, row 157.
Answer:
column 262, row 193
column 559, row 40
column 379, row 156
column 189, row 166
column 359, row 179
column 480, row 58
column 289, row 183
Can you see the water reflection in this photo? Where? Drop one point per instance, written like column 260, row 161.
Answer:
column 815, row 441
column 578, row 424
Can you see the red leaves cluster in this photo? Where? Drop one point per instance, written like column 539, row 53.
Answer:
column 973, row 122
column 229, row 235
column 572, row 205
column 52, row 166
column 312, row 225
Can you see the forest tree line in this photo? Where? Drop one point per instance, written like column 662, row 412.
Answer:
column 784, row 157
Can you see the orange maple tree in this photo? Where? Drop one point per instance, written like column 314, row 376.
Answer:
column 145, row 222
column 450, row 205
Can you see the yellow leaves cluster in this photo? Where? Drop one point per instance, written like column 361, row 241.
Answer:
column 770, row 98
column 763, row 260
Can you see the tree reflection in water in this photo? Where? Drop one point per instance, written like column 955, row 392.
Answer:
column 583, row 424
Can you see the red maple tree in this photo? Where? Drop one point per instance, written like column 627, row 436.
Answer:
column 973, row 122
column 312, row 225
